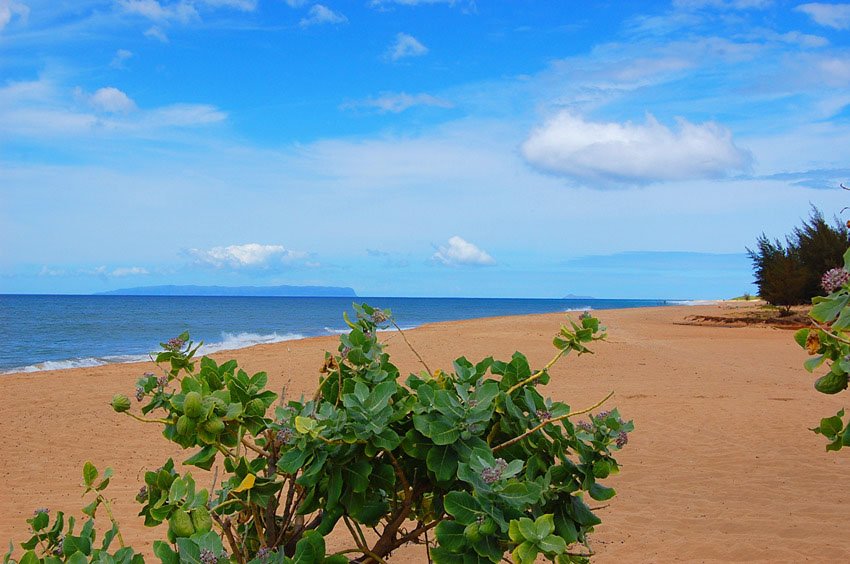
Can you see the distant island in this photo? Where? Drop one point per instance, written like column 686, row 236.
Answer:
column 254, row 291
column 575, row 297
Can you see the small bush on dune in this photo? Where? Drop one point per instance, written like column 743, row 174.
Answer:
column 473, row 463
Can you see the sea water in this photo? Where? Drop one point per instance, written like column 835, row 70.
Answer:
column 53, row 332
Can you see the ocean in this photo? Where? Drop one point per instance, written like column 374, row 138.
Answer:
column 54, row 332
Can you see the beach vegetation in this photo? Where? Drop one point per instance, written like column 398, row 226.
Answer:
column 789, row 273
column 827, row 342
column 472, row 463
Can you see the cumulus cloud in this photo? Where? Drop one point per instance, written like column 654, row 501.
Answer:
column 630, row 153
column 8, row 9
column 249, row 255
column 460, row 252
column 836, row 16
column 111, row 100
column 405, row 46
column 320, row 14
column 154, row 10
column 398, row 102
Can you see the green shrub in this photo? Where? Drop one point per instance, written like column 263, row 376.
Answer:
column 827, row 343
column 475, row 456
column 790, row 274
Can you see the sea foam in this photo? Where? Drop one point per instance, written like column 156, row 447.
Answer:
column 229, row 341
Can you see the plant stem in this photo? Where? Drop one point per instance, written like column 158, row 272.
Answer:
column 553, row 420
column 403, row 336
column 108, row 507
column 143, row 420
column 539, row 373
column 255, row 448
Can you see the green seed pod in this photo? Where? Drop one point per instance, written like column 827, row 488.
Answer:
column 206, row 437
column 831, row 383
column 214, row 426
column 201, row 520
column 120, row 403
column 193, row 405
column 185, row 426
column 255, row 408
column 181, row 524
column 488, row 527
column 472, row 532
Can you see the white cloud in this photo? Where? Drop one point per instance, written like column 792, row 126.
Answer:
column 629, row 153
column 249, row 255
column 155, row 32
column 244, row 5
column 398, row 102
column 8, row 8
column 405, row 46
column 121, row 55
column 723, row 4
column 184, row 115
column 801, row 39
column 112, row 100
column 320, row 14
column 129, row 271
column 295, row 3
column 460, row 252
column 836, row 16
column 43, row 109
column 182, row 11
column 470, row 4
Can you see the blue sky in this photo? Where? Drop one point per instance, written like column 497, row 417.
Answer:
column 415, row 147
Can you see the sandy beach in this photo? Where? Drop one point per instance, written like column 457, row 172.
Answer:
column 721, row 466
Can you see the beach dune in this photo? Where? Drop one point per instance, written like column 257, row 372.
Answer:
column 721, row 465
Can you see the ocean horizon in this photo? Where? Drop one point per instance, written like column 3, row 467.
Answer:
column 52, row 332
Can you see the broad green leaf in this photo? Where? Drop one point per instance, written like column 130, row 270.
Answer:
column 514, row 532
column 450, row 535
column 826, row 310
column 89, row 474
column 177, row 491
column 443, row 432
column 831, row 426
column 204, row 458
column 601, row 493
column 525, row 553
column 462, row 506
column 29, row 557
column 552, row 544
column 357, row 475
column 528, row 529
column 814, row 362
column 801, row 336
column 581, row 513
column 545, row 525
column 442, row 461
column 76, row 558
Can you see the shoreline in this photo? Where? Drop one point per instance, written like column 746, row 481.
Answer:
column 257, row 339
